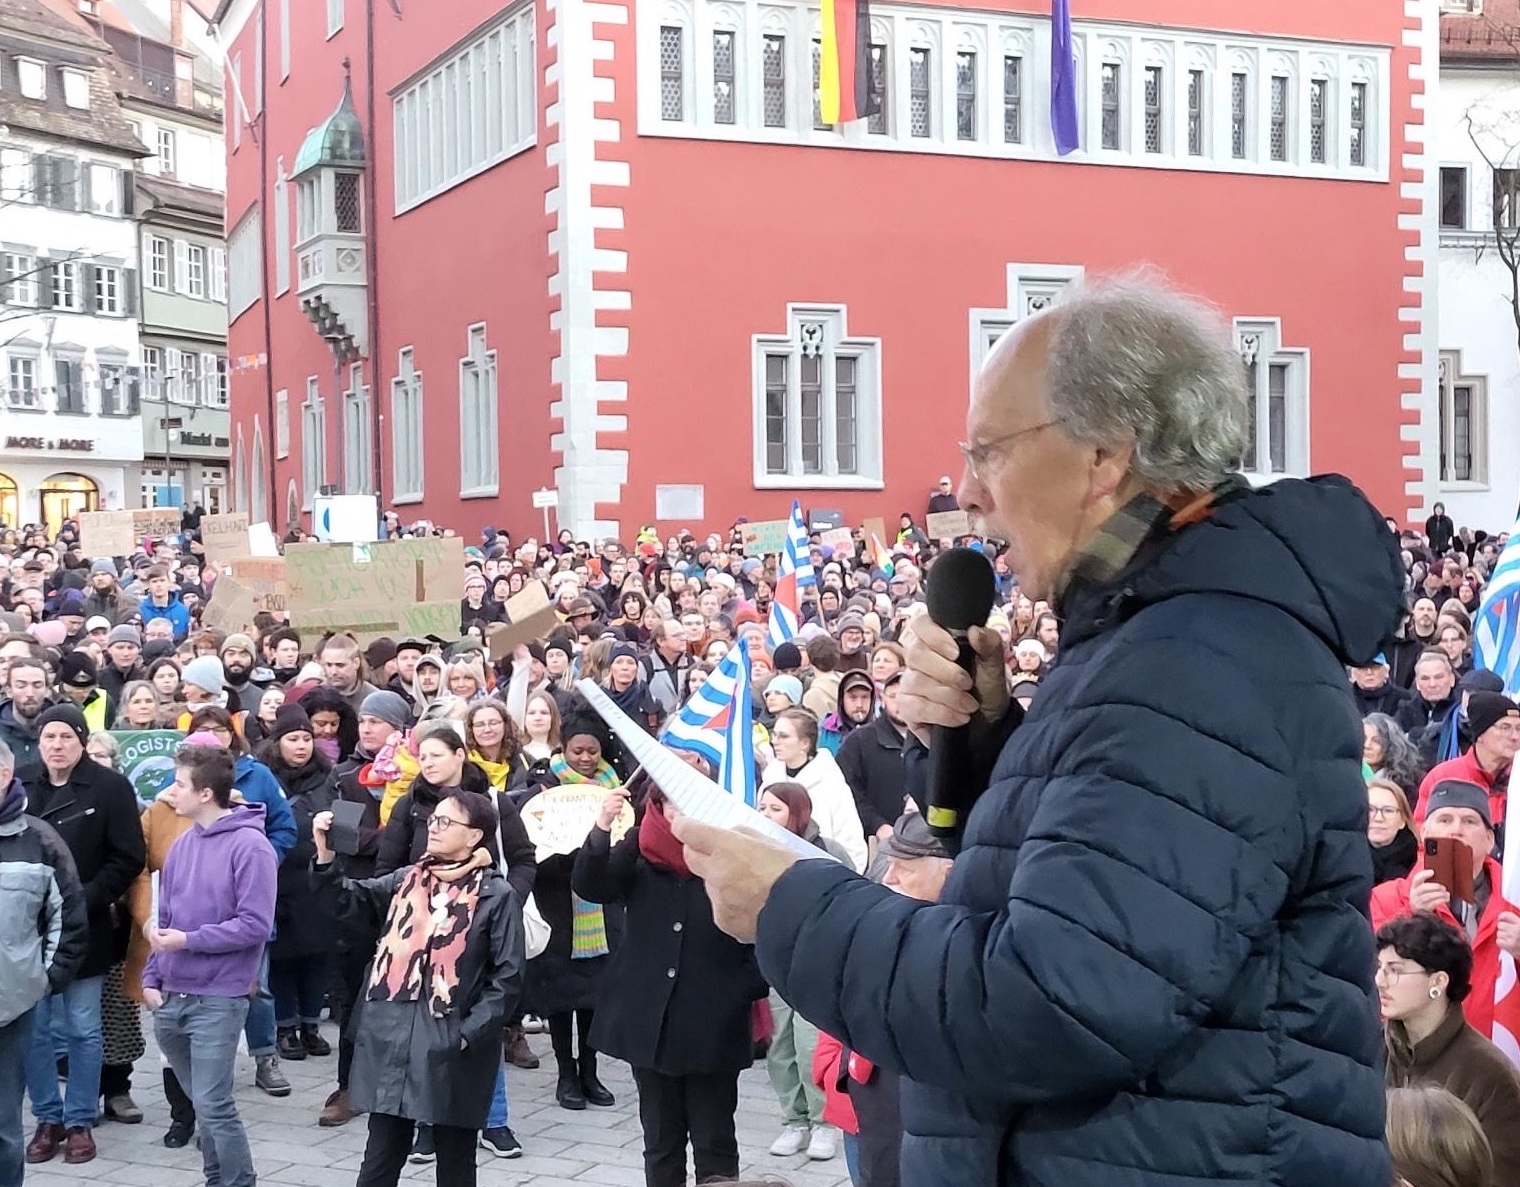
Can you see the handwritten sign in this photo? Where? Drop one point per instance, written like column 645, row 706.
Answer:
column 766, row 536
column 117, row 533
column 146, row 758
column 107, row 533
column 225, row 536
column 559, row 818
column 328, row 592
column 438, row 619
column 947, row 525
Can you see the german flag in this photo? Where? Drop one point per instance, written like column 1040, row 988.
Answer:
column 844, row 66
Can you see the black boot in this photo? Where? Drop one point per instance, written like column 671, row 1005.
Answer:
column 288, row 1044
column 595, row 1091
column 568, row 1091
column 312, row 1040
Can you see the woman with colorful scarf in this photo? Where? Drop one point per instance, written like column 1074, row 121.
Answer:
column 446, row 975
column 565, row 981
column 685, row 991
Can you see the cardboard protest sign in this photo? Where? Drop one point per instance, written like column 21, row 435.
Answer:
column 231, row 607
column 225, row 536
column 261, row 541
column 439, row 619
column 146, row 758
column 559, row 818
column 877, row 527
column 156, row 522
column 766, row 536
column 531, row 617
column 947, row 525
column 328, row 591
column 107, row 533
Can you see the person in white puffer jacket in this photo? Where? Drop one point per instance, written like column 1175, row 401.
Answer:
column 798, row 760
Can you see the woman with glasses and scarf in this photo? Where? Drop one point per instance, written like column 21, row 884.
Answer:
column 446, row 975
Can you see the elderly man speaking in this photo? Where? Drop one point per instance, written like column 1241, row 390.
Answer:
column 1151, row 964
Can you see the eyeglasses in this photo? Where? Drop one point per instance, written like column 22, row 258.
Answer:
column 978, row 455
column 1377, row 812
column 1392, row 973
column 437, row 823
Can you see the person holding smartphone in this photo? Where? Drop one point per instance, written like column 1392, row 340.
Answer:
column 1459, row 814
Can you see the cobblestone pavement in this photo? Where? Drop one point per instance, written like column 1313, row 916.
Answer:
column 602, row 1147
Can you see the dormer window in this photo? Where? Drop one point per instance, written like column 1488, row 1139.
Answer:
column 76, row 89
column 32, row 76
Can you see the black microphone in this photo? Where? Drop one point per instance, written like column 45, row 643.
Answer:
column 960, row 594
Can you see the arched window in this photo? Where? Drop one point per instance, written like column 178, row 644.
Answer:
column 64, row 496
column 10, row 502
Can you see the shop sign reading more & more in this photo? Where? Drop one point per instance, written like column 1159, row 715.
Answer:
column 57, row 444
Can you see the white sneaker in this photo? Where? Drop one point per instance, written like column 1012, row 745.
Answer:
column 824, row 1143
column 793, row 1140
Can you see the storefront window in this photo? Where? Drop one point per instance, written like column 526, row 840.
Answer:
column 64, row 496
column 10, row 502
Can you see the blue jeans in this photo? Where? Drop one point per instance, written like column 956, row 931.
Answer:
column 73, row 1015
column 199, row 1037
column 851, row 1156
column 497, row 1117
column 15, row 1046
column 300, row 988
column 259, row 1029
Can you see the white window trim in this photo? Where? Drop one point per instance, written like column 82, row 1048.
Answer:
column 1467, row 229
column 516, row 25
column 1270, row 351
column 407, row 427
column 1030, row 289
column 1451, row 377
column 78, row 79
column 313, row 442
column 1027, row 37
column 282, row 424
column 334, row 17
column 489, row 361
column 870, row 432
column 358, row 461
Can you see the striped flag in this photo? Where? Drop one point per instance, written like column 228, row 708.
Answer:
column 794, row 575
column 1496, row 648
column 1064, row 124
column 844, row 62
column 718, row 723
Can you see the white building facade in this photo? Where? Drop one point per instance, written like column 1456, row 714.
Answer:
column 69, row 342
column 1476, row 134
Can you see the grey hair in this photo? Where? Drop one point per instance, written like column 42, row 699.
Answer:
column 1133, row 360
column 7, row 758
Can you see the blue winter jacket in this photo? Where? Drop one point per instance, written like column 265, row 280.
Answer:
column 257, row 785
column 175, row 611
column 1152, row 964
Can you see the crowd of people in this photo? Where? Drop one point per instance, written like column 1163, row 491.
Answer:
column 344, row 833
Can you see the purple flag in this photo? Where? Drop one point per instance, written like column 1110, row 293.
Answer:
column 1063, row 80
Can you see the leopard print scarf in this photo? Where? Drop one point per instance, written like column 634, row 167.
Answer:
column 425, row 933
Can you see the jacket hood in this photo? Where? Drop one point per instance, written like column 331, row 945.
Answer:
column 242, row 816
column 1316, row 549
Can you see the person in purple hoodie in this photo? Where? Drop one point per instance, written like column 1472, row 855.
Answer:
column 215, row 910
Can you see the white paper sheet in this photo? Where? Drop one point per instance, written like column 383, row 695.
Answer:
column 693, row 793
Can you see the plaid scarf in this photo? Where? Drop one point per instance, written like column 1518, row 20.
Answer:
column 1125, row 532
column 426, row 930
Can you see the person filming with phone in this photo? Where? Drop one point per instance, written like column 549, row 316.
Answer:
column 1458, row 879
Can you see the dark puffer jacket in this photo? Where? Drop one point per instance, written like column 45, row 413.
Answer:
column 1152, row 962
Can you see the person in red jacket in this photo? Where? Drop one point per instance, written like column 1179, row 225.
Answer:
column 1461, row 810
column 1495, row 724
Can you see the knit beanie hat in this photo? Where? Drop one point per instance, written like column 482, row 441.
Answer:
column 206, row 738
column 205, row 671
column 71, row 602
column 559, row 645
column 77, row 670
column 787, row 657
column 70, row 716
column 290, row 719
column 788, row 686
column 239, row 643
column 387, row 706
column 1487, row 709
column 624, row 651
column 103, row 564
